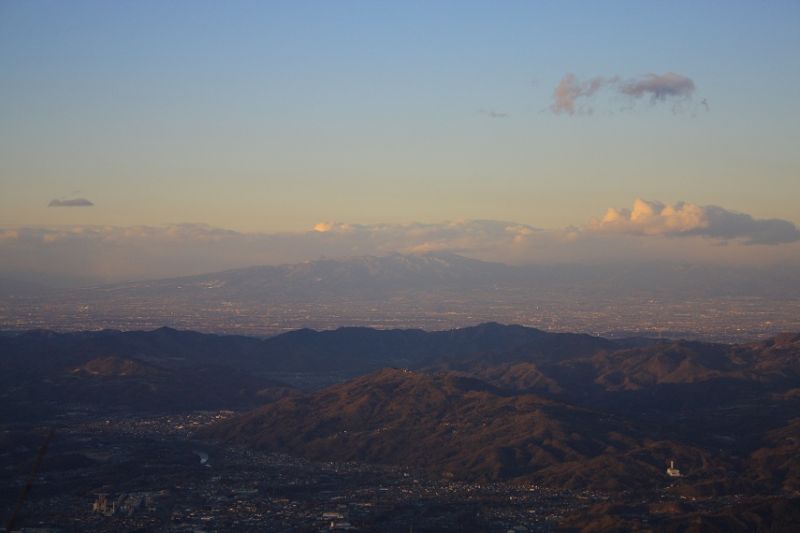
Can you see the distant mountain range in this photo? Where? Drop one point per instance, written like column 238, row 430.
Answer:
column 356, row 276
column 486, row 402
column 429, row 291
column 348, row 351
column 374, row 277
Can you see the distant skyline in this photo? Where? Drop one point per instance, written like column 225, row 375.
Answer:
column 268, row 118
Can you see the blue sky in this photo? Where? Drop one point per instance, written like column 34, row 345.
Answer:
column 273, row 116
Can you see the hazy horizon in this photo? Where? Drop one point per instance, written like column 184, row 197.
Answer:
column 144, row 141
column 139, row 139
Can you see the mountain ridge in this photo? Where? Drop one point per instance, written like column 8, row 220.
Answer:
column 487, row 402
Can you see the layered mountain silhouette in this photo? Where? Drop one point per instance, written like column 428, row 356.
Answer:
column 461, row 427
column 346, row 350
column 376, row 276
column 486, row 402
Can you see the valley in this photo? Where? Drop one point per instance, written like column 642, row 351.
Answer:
column 488, row 427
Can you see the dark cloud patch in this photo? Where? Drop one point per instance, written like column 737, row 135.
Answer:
column 726, row 224
column 572, row 95
column 72, row 202
column 491, row 113
column 659, row 87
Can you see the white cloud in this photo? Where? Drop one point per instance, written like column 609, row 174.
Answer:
column 647, row 232
column 686, row 219
column 455, row 236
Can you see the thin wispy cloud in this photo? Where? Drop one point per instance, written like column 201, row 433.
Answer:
column 570, row 93
column 71, row 202
column 573, row 96
column 491, row 113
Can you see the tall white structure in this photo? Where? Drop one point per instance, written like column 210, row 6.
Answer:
column 672, row 471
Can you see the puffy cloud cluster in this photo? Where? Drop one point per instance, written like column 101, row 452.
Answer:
column 647, row 232
column 463, row 236
column 110, row 253
column 483, row 238
column 687, row 219
column 572, row 95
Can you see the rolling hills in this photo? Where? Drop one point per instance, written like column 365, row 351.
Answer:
column 489, row 402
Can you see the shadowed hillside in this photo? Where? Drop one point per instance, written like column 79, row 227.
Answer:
column 485, row 402
column 458, row 426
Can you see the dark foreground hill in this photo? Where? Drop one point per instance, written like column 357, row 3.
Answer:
column 461, row 427
column 167, row 369
column 486, row 402
column 595, row 415
column 347, row 349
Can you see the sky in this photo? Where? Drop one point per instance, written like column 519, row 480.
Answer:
column 263, row 120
